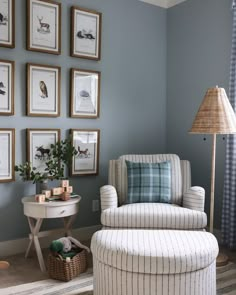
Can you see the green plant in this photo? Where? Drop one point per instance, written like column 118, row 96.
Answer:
column 27, row 172
column 60, row 156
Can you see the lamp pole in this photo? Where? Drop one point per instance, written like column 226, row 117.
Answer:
column 213, row 164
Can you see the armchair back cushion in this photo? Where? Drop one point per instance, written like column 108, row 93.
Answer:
column 120, row 180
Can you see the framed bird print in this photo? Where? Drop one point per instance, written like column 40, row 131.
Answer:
column 7, row 23
column 86, row 33
column 7, row 87
column 43, row 90
column 44, row 26
column 85, row 93
column 86, row 142
column 7, row 155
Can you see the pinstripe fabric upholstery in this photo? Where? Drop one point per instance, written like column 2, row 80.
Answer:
column 176, row 181
column 154, row 262
column 186, row 175
column 109, row 197
column 194, row 198
column 153, row 215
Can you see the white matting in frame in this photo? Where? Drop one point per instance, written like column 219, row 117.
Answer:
column 43, row 91
column 86, row 142
column 7, row 155
column 38, row 146
column 44, row 26
column 7, row 87
column 7, row 23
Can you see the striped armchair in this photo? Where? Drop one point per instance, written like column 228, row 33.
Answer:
column 185, row 212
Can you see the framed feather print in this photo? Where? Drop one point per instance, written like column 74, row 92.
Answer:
column 43, row 90
column 7, row 23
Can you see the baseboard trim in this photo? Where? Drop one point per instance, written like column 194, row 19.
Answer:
column 12, row 247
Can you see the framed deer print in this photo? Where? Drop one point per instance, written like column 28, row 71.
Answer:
column 86, row 142
column 38, row 146
column 44, row 26
column 7, row 155
column 7, row 23
column 86, row 33
column 43, row 90
column 85, row 93
column 7, row 69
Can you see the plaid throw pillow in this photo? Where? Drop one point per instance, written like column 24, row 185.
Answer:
column 149, row 182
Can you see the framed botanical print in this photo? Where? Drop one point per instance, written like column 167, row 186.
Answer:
column 7, row 23
column 86, row 142
column 38, row 146
column 43, row 90
column 7, row 73
column 85, row 93
column 7, row 155
column 44, row 26
column 86, row 33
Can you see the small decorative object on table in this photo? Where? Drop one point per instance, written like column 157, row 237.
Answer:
column 68, row 258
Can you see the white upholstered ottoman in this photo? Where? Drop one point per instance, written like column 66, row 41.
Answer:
column 151, row 262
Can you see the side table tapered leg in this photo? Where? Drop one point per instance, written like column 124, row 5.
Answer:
column 68, row 221
column 35, row 225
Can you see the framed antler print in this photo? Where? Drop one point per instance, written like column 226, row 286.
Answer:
column 7, row 155
column 7, row 23
column 38, row 146
column 43, row 90
column 44, row 26
column 86, row 33
column 86, row 142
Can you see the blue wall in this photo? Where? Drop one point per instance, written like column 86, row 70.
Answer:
column 199, row 45
column 133, row 98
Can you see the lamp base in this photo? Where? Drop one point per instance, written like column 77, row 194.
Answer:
column 222, row 259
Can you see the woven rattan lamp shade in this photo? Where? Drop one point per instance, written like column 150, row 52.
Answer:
column 215, row 114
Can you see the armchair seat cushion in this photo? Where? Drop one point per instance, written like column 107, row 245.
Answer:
column 153, row 215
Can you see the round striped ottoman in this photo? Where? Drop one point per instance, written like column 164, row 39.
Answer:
column 151, row 262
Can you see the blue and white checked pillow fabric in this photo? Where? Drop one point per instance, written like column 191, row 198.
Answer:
column 149, row 182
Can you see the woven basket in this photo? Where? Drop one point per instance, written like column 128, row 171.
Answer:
column 61, row 270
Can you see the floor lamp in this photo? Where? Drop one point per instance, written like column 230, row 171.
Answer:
column 215, row 116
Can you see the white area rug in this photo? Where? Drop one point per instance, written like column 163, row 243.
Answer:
column 83, row 285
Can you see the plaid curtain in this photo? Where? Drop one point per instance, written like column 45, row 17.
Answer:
column 229, row 196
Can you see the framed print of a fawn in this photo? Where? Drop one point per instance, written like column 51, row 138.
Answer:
column 7, row 23
column 44, row 26
column 86, row 142
column 86, row 33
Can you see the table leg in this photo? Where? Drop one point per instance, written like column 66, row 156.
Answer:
column 68, row 221
column 35, row 225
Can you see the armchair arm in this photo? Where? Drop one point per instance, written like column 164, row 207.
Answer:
column 108, row 197
column 194, row 198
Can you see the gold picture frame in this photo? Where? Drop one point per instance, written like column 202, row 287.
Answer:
column 44, row 26
column 7, row 87
column 43, row 90
column 7, row 23
column 7, row 155
column 85, row 94
column 86, row 142
column 86, row 30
